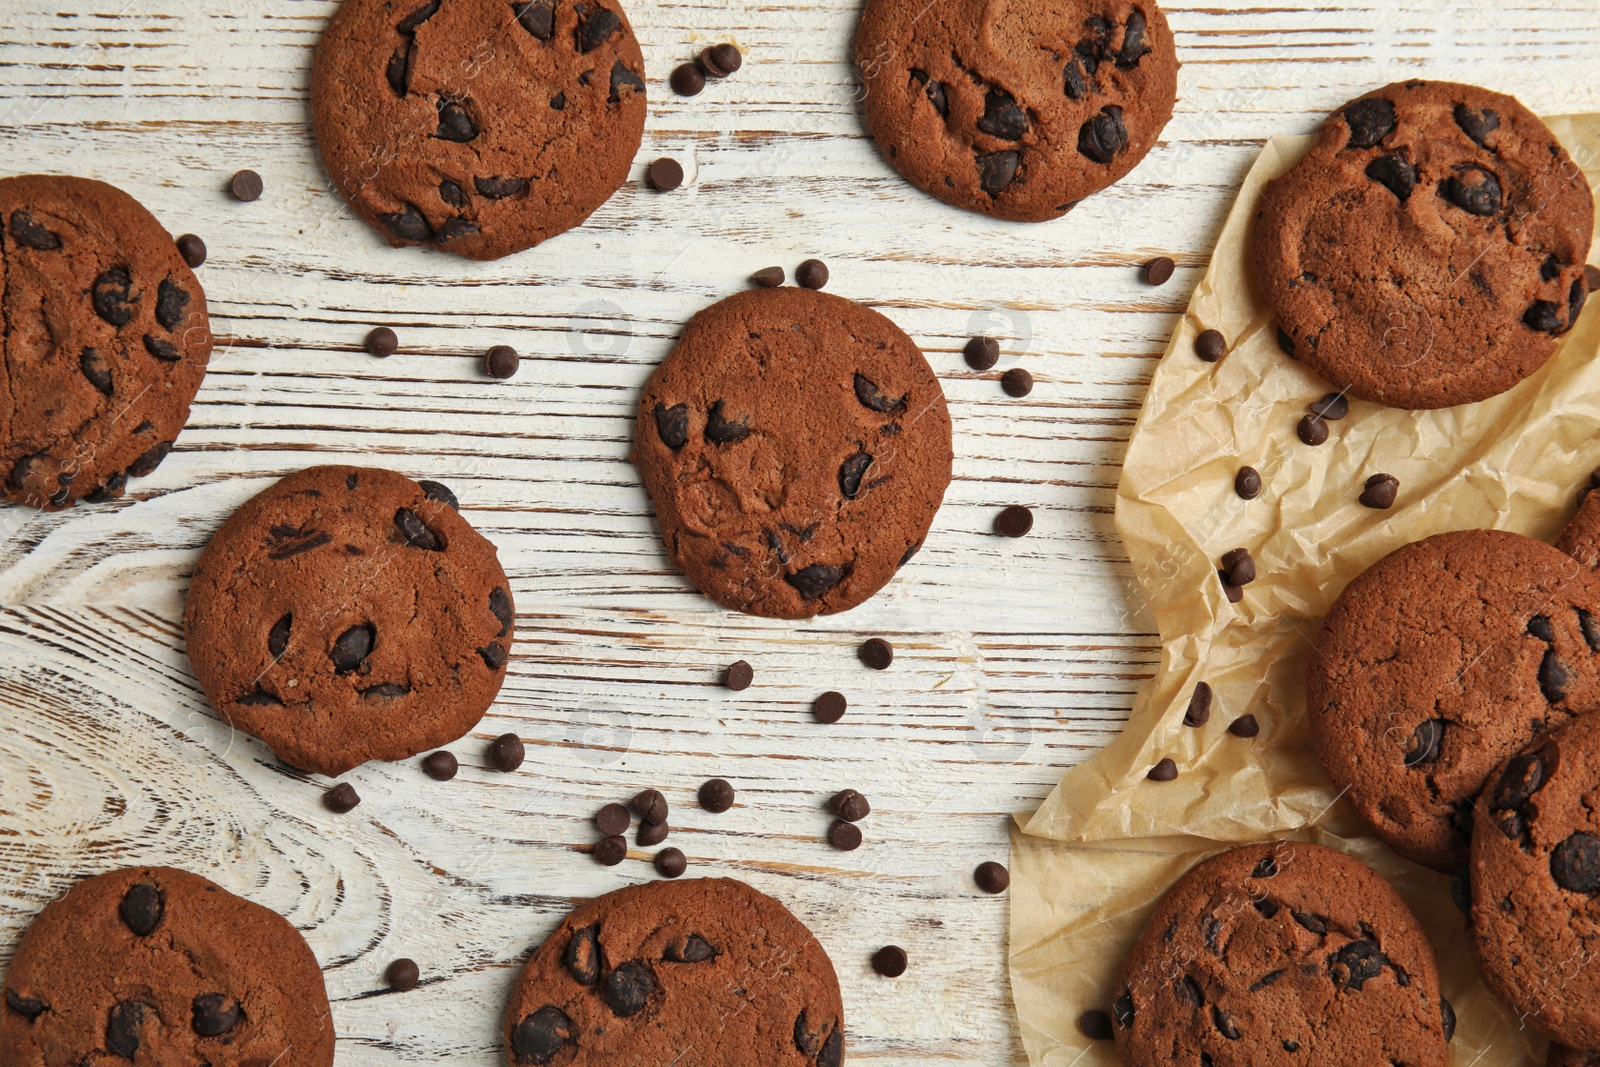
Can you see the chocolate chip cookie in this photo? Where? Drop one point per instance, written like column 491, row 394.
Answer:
column 796, row 446
column 1536, row 880
column 1562, row 1056
column 706, row 971
column 346, row 614
column 479, row 127
column 105, row 339
column 1286, row 954
column 1437, row 663
column 1017, row 109
column 1428, row 250
column 159, row 967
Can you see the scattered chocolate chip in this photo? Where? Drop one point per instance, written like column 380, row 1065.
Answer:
column 452, row 194
column 1002, row 117
column 1103, row 137
column 611, row 851
column 1122, row 1010
column 455, row 123
column 1447, row 1018
column 192, row 249
column 844, row 836
column 612, row 820
column 582, row 956
column 1425, row 741
column 1239, row 567
column 408, row 225
column 1286, row 343
column 692, row 949
column 1013, row 521
column 402, row 975
column 1159, row 271
column 982, row 353
column 171, row 302
column 1016, row 382
column 670, row 862
column 876, row 653
column 1095, row 1025
column 1247, row 483
column 997, row 170
column 501, row 361
column 627, row 988
column 122, row 1028
column 1380, row 491
column 1234, row 593
column 245, row 186
column 1332, row 407
column 441, row 766
column 992, row 877
column 539, row 1036
column 1164, row 771
column 351, row 647
column 1370, row 121
column 849, row 805
column 721, row 60
column 812, row 274
column 111, row 296
column 650, row 806
column 162, row 350
column 687, row 80
column 382, row 342
column 665, row 174
column 595, row 26
column 1311, row 430
column 1591, row 276
column 96, row 371
column 813, row 582
column 30, row 233
column 1395, row 173
column 1244, row 726
column 1360, row 960
column 722, row 431
column 738, row 676
column 341, row 798
column 497, row 188
column 506, row 752
column 141, row 908
column 417, row 534
column 1473, row 190
column 1477, row 124
column 672, row 425
column 27, row 1007
column 768, row 277
column 498, row 602
column 851, row 471
column 1199, row 710
column 651, row 834
column 871, row 397
column 716, row 796
column 829, row 707
column 1210, row 345
column 890, row 961
column 1554, row 677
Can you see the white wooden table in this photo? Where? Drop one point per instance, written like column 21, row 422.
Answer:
column 1015, row 658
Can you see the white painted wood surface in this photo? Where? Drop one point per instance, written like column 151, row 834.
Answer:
column 1015, row 659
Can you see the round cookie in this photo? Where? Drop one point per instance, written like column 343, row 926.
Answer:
column 346, row 614
column 796, row 446
column 1428, row 249
column 105, row 340
column 1018, row 108
column 1438, row 662
column 479, row 127
column 1535, row 917
column 162, row 968
column 1286, row 953
column 705, row 971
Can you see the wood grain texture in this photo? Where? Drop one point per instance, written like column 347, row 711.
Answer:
column 1015, row 658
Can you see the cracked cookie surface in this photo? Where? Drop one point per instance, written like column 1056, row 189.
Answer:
column 105, row 338
column 1428, row 249
column 159, row 967
column 1286, row 953
column 479, row 127
column 347, row 614
column 705, row 971
column 1016, row 108
column 1437, row 663
column 796, row 446
column 1535, row 916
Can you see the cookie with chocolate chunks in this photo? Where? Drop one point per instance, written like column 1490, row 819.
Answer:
column 151, row 965
column 705, row 970
column 796, row 446
column 105, row 338
column 1536, row 880
column 1017, row 109
column 479, row 127
column 1285, row 953
column 1479, row 218
column 347, row 614
column 1436, row 664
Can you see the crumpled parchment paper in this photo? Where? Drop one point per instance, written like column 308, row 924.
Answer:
column 1089, row 866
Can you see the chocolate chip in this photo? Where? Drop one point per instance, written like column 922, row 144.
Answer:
column 872, row 398
column 651, row 834
column 539, row 1036
column 501, row 361
column 1002, row 117
column 672, row 425
column 982, row 353
column 112, row 294
column 935, row 92
column 829, row 707
column 595, row 26
column 1158, row 272
column 1473, row 190
column 624, row 78
column 341, row 798
column 397, row 72
column 455, row 123
column 440, row 766
column 1234, row 593
column 245, row 186
column 408, row 225
column 1247, row 483
column 1370, row 121
column 1013, row 521
column 95, row 370
column 768, row 277
column 1285, row 343
column 402, row 975
column 1016, row 382
column 1103, row 137
column 165, row 351
column 122, row 1028
column 382, row 342
column 1425, row 741
column 494, row 655
column 716, row 796
column 1199, row 710
column 890, row 961
column 628, row 988
column 1095, row 1025
column 1447, row 1019
column 423, row 13
column 722, row 431
column 997, row 170
column 1550, row 269
column 417, row 533
column 171, row 302
column 1554, row 677
column 1239, row 566
column 192, row 249
column 1332, row 407
column 992, row 877
column 692, row 949
column 582, row 957
column 1314, row 923
column 687, row 80
column 538, row 17
column 506, row 752
column 670, row 862
column 851, row 472
column 1524, row 776
column 813, row 582
column 387, row 689
column 27, row 1007
column 1543, row 316
column 30, row 233
column 846, row 837
column 1224, row 1023
column 610, row 851
column 1210, row 345
column 1477, row 124
column 1073, row 81
column 812, row 274
column 665, row 174
column 1244, row 726
column 498, row 603
column 1164, row 771
column 849, row 805
column 1591, row 276
column 1380, row 491
column 612, row 820
column 738, row 676
column 496, row 188
column 876, row 653
column 1395, row 173
column 721, row 60
column 1510, row 824
column 1122, row 1010
column 453, row 194
column 1576, row 296
column 142, row 908
column 1359, row 961
column 1311, row 430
